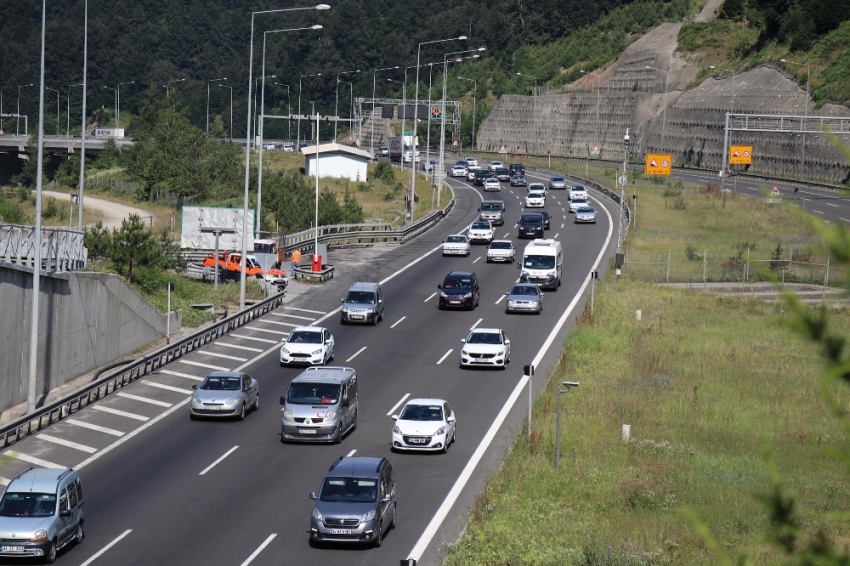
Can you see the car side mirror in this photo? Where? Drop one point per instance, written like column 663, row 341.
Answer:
column 439, row 286
column 450, row 419
column 282, row 399
column 342, row 300
column 395, row 417
column 380, row 301
column 507, row 341
column 541, row 294
column 463, row 340
column 65, row 513
column 313, row 495
column 387, row 498
column 194, row 387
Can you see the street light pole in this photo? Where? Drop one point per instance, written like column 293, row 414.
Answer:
column 530, row 77
column 374, row 85
column 727, row 133
column 298, row 129
column 808, row 70
column 230, row 136
column 474, row 90
column 115, row 90
column 208, row 99
column 83, row 119
column 288, row 110
column 68, row 116
column 57, row 107
column 168, row 88
column 118, row 110
column 18, row 125
column 664, row 103
column 336, row 117
column 596, row 127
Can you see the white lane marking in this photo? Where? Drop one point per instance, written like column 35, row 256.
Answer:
column 844, row 219
column 355, row 354
column 352, row 453
column 103, row 429
column 500, row 299
column 562, row 209
column 141, row 399
column 200, row 365
column 562, row 225
column 398, row 322
column 397, row 405
column 132, row 433
column 178, row 374
column 477, row 259
column 304, row 310
column 506, row 234
column 460, row 483
column 32, row 460
column 259, row 550
column 223, row 356
column 120, row 413
column 270, row 331
column 229, row 345
column 431, row 296
column 68, row 443
column 223, row 456
column 565, row 217
column 168, row 387
column 476, row 324
column 556, row 236
column 446, row 355
column 4, row 481
column 817, row 212
column 293, row 316
column 283, row 323
column 254, row 338
column 107, row 547
column 830, row 204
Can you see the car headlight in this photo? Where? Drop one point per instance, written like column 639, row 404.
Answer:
column 39, row 536
column 468, row 296
column 287, row 415
column 316, row 352
column 441, row 430
column 396, row 430
column 443, row 295
column 370, row 310
column 234, row 401
column 317, row 514
column 464, row 353
column 370, row 516
column 330, row 415
column 344, row 310
column 195, row 399
column 284, row 351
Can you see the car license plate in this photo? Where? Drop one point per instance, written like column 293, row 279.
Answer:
column 417, row 441
column 480, row 361
column 356, row 317
column 307, row 431
column 12, row 548
column 454, row 302
column 340, row 531
column 213, row 407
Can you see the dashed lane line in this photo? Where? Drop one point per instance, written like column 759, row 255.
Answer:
column 67, row 443
column 141, row 399
column 398, row 322
column 357, row 353
column 477, row 260
column 474, row 326
column 397, row 405
column 168, row 387
column 107, row 547
column 257, row 552
column 352, row 453
column 213, row 465
column 446, row 355
column 120, row 413
column 431, row 296
column 98, row 428
column 500, row 299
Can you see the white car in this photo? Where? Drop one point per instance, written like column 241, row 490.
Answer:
column 578, row 192
column 501, row 250
column 308, row 345
column 577, row 203
column 536, row 188
column 471, row 163
column 535, row 200
column 456, row 244
column 492, row 184
column 424, row 424
column 488, row 347
column 459, row 171
column 470, row 175
column 496, row 165
column 288, row 148
column 480, row 231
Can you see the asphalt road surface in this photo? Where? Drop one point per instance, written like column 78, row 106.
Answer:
column 161, row 489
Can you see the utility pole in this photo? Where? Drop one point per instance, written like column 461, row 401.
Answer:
column 623, row 180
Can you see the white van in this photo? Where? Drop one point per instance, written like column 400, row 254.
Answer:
column 542, row 263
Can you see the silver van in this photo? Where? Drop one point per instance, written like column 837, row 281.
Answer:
column 320, row 405
column 494, row 211
column 41, row 512
column 364, row 302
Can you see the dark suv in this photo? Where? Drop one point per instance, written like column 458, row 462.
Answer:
column 459, row 290
column 517, row 168
column 531, row 225
column 503, row 174
column 480, row 175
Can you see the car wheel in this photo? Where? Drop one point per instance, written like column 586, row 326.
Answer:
column 242, row 413
column 80, row 535
column 375, row 320
column 341, row 321
column 445, row 448
column 50, row 555
column 257, row 403
column 192, row 417
column 395, row 512
column 354, row 424
column 331, row 358
column 338, row 438
column 379, row 537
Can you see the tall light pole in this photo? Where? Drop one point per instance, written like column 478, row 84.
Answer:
column 83, row 119
column 664, row 103
column 403, row 116
column 336, row 118
column 230, row 133
column 18, row 125
column 248, row 145
column 168, row 88
column 57, row 107
column 261, row 120
column 298, row 128
column 724, row 166
column 208, row 99
column 256, row 90
column 115, row 100
column 118, row 111
column 68, row 125
column 374, row 86
column 530, row 77
column 808, row 70
column 474, row 90
column 36, row 272
column 288, row 110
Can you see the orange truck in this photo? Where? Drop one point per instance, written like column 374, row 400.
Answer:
column 230, row 265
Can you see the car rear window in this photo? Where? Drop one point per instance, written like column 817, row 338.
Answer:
column 531, row 220
column 492, row 206
column 457, row 283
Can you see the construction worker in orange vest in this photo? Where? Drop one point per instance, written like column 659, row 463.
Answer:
column 296, row 258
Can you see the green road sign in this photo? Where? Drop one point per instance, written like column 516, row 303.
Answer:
column 408, row 133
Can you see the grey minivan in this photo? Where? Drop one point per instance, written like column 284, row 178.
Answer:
column 41, row 512
column 364, row 302
column 320, row 405
column 356, row 502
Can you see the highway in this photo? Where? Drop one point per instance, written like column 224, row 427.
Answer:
column 161, row 489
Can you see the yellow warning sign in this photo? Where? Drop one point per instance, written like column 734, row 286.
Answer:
column 741, row 155
column 658, row 164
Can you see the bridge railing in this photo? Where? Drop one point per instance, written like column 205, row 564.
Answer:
column 62, row 249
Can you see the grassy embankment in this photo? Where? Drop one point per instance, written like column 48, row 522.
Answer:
column 55, row 212
column 706, row 383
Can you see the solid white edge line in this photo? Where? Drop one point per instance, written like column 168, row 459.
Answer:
column 107, row 547
column 460, row 483
column 237, row 346
column 446, row 355
column 243, row 337
column 223, row 356
column 67, row 443
column 397, row 405
column 120, row 413
column 474, row 326
column 223, row 456
column 352, row 453
column 259, row 550
column 32, row 460
column 98, row 428
column 431, row 296
column 398, row 321
column 178, row 374
column 355, row 354
column 304, row 310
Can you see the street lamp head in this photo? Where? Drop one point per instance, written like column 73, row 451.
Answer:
column 482, row 49
column 784, row 60
column 462, row 37
column 323, row 7
column 317, row 26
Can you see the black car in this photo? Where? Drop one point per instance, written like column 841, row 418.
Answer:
column 503, row 174
column 531, row 225
column 545, row 219
column 459, row 290
column 515, row 168
column 480, row 175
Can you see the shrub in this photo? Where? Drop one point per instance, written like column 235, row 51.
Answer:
column 692, row 254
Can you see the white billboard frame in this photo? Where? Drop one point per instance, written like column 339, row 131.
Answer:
column 193, row 218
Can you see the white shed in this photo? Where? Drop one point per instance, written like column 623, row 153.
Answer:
column 337, row 161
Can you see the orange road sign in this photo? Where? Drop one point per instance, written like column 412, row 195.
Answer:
column 741, row 155
column 658, row 164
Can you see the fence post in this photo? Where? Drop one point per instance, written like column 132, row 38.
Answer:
column 704, row 266
column 825, row 280
column 748, row 265
column 668, row 266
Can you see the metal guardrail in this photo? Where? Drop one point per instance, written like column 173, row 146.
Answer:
column 62, row 249
column 44, row 417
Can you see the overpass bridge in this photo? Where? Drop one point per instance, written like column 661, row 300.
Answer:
column 11, row 143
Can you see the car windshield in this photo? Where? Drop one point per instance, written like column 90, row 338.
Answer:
column 350, row 490
column 585, row 209
column 305, row 337
column 579, row 200
column 539, row 261
column 536, row 187
column 558, row 180
column 422, row 413
column 500, row 245
column 456, row 239
column 27, row 504
column 313, row 393
column 524, row 290
column 458, row 283
column 480, row 225
column 491, row 207
column 220, row 383
column 361, row 297
column 484, row 338
column 535, row 195
column 531, row 220
column 579, row 188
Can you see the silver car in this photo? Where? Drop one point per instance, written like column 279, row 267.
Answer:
column 524, row 297
column 557, row 183
column 586, row 215
column 501, row 250
column 225, row 394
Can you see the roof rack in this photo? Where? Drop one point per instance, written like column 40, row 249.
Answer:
column 331, row 368
column 336, row 462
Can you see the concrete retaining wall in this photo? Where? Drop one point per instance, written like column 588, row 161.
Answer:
column 86, row 321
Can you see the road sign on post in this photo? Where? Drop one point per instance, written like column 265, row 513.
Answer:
column 775, row 195
column 436, row 112
column 741, row 155
column 594, row 151
column 503, row 149
column 658, row 164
